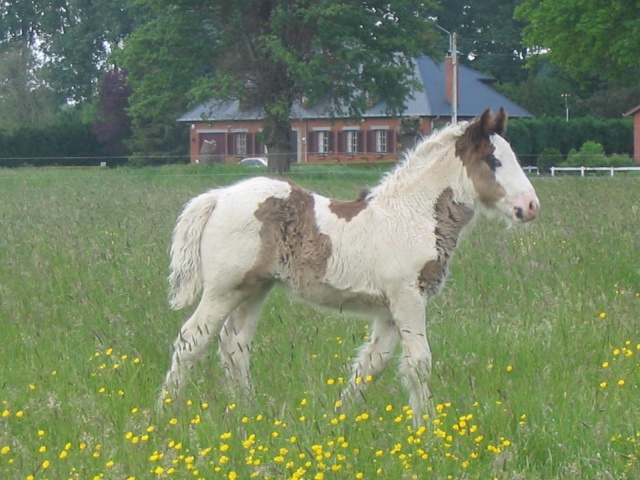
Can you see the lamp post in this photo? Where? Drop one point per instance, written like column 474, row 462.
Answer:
column 453, row 49
column 566, row 105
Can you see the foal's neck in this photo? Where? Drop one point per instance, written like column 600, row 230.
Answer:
column 418, row 183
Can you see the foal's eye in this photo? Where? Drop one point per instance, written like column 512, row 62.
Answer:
column 493, row 162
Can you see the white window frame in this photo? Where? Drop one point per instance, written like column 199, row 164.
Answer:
column 352, row 141
column 323, row 141
column 382, row 141
column 241, row 143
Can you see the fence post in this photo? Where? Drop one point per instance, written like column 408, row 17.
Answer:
column 582, row 169
column 553, row 171
column 612, row 171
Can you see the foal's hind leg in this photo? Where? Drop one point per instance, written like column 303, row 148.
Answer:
column 195, row 335
column 372, row 358
column 235, row 342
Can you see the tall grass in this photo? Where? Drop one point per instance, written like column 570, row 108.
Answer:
column 536, row 342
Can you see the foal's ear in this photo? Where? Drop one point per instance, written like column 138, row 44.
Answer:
column 500, row 120
column 488, row 124
column 483, row 128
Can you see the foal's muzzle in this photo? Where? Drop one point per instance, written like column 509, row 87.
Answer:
column 526, row 207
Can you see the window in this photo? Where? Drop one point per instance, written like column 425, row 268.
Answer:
column 381, row 141
column 241, row 143
column 323, row 142
column 352, row 141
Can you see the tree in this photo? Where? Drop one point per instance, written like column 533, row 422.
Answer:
column 25, row 99
column 80, row 36
column 590, row 38
column 165, row 58
column 113, row 124
column 489, row 38
column 73, row 37
column 273, row 52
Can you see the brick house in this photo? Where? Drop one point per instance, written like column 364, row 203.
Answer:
column 635, row 113
column 229, row 132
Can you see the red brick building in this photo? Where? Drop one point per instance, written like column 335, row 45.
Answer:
column 233, row 132
column 635, row 113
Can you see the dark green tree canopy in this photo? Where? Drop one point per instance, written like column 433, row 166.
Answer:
column 489, row 37
column 588, row 38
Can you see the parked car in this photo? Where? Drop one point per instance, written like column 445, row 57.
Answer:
column 254, row 162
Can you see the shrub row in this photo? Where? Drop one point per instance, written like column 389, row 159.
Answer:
column 65, row 144
column 530, row 137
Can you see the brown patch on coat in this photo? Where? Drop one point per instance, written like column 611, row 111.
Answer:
column 293, row 250
column 476, row 152
column 349, row 210
column 451, row 218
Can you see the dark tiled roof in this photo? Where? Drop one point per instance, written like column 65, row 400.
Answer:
column 475, row 95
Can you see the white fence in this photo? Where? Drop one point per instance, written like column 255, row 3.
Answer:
column 583, row 170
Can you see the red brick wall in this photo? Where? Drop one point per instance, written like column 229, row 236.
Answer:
column 305, row 131
column 636, row 137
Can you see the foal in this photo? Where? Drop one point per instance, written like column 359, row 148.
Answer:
column 383, row 255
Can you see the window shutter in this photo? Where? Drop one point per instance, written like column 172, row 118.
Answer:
column 342, row 141
column 360, row 142
column 231, row 144
column 249, row 143
column 312, row 142
column 371, row 142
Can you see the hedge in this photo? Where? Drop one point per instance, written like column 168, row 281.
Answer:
column 530, row 137
column 65, row 144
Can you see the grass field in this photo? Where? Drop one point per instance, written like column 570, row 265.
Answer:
column 536, row 343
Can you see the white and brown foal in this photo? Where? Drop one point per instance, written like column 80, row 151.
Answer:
column 383, row 255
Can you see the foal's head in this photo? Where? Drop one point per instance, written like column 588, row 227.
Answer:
column 499, row 183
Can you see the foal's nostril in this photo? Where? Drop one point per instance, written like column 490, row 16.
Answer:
column 519, row 212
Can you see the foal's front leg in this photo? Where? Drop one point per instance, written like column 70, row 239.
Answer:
column 372, row 358
column 408, row 310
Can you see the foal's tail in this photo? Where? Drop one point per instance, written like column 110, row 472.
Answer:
column 185, row 279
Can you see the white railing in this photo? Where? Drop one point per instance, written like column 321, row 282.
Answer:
column 531, row 168
column 583, row 170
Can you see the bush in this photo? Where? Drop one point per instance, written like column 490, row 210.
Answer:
column 550, row 157
column 621, row 160
column 591, row 154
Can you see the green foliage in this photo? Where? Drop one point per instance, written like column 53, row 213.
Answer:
column 25, row 98
column 530, row 137
column 488, row 36
column 550, row 157
column 75, row 36
column 164, row 58
column 608, row 31
column 68, row 144
column 591, row 154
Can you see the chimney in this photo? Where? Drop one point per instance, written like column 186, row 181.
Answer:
column 448, row 63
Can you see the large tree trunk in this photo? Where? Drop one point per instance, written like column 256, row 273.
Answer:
column 277, row 134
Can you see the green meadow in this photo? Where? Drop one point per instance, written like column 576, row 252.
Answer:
column 536, row 344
